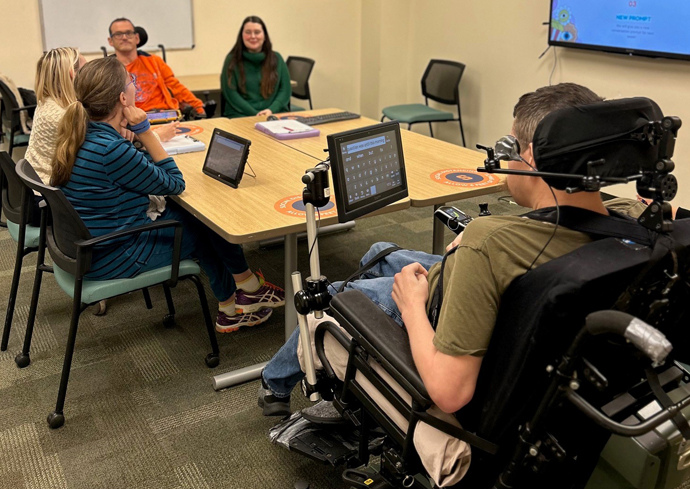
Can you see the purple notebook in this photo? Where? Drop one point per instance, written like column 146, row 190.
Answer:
column 287, row 129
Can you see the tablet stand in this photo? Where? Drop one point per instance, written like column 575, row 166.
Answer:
column 315, row 298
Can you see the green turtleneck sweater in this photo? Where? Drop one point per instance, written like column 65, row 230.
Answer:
column 242, row 104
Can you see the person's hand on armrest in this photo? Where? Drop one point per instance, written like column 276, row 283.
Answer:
column 411, row 290
column 138, row 122
column 449, row 380
column 166, row 131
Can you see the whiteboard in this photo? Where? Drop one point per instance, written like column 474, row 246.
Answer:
column 83, row 24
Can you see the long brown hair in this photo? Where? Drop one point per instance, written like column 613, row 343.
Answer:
column 269, row 67
column 98, row 86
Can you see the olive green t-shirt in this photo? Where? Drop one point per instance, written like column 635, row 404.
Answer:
column 494, row 251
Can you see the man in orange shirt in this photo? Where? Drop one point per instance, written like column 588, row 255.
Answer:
column 157, row 87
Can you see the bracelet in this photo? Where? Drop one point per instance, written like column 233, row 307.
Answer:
column 143, row 126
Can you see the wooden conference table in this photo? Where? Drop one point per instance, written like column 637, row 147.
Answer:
column 269, row 205
column 264, row 207
column 437, row 171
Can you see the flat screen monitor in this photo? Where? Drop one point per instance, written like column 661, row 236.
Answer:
column 657, row 28
column 368, row 169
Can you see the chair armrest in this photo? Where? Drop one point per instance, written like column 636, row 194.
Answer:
column 88, row 243
column 382, row 338
column 177, row 243
column 26, row 107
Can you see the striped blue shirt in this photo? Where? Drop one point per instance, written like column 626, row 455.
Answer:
column 109, row 189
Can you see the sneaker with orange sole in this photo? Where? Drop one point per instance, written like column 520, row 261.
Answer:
column 267, row 295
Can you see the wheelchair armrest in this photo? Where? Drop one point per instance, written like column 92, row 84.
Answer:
column 381, row 337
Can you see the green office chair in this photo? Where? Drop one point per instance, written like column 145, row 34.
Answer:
column 71, row 245
column 439, row 83
column 17, row 206
column 300, row 71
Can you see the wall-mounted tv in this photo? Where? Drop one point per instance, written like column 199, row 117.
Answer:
column 658, row 28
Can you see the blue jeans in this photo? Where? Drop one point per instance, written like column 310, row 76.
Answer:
column 283, row 372
column 218, row 258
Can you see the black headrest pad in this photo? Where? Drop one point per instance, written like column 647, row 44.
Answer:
column 143, row 36
column 567, row 139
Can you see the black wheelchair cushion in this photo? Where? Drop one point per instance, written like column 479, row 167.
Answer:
column 381, row 337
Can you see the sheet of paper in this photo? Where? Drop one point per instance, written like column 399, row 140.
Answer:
column 183, row 144
column 287, row 126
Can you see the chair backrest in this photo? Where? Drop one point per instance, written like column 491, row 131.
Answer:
column 9, row 101
column 300, row 71
column 143, row 36
column 64, row 227
column 540, row 315
column 14, row 193
column 441, row 80
column 143, row 39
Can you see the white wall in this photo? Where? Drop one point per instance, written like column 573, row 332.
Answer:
column 328, row 31
column 500, row 43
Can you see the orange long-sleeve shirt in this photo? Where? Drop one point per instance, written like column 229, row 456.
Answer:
column 157, row 87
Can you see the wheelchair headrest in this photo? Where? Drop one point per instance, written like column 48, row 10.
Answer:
column 566, row 140
column 143, row 36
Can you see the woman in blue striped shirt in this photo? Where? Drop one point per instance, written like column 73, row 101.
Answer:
column 108, row 181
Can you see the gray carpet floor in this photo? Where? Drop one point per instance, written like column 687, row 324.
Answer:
column 141, row 411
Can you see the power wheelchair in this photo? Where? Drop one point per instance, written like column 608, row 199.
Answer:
column 580, row 362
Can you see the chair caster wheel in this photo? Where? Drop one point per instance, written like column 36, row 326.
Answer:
column 55, row 420
column 212, row 360
column 22, row 360
column 169, row 321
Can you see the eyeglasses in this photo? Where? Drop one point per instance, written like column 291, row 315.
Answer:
column 120, row 35
column 132, row 80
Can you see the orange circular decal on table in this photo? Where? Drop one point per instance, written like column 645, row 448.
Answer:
column 457, row 177
column 293, row 206
column 189, row 130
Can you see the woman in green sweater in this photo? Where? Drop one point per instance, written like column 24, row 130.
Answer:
column 255, row 79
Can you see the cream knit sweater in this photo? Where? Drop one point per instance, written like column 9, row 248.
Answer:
column 43, row 137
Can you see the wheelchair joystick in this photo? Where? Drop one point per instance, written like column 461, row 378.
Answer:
column 315, row 298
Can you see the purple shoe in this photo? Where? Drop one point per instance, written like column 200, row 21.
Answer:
column 228, row 324
column 268, row 295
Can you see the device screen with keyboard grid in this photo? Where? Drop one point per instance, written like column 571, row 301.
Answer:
column 323, row 119
column 368, row 169
column 371, row 166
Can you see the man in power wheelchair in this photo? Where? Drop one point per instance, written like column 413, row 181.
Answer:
column 557, row 377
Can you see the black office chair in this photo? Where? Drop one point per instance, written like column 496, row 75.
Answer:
column 71, row 245
column 17, row 206
column 11, row 119
column 300, row 71
column 440, row 83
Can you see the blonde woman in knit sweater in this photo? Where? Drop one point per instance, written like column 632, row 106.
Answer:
column 54, row 93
